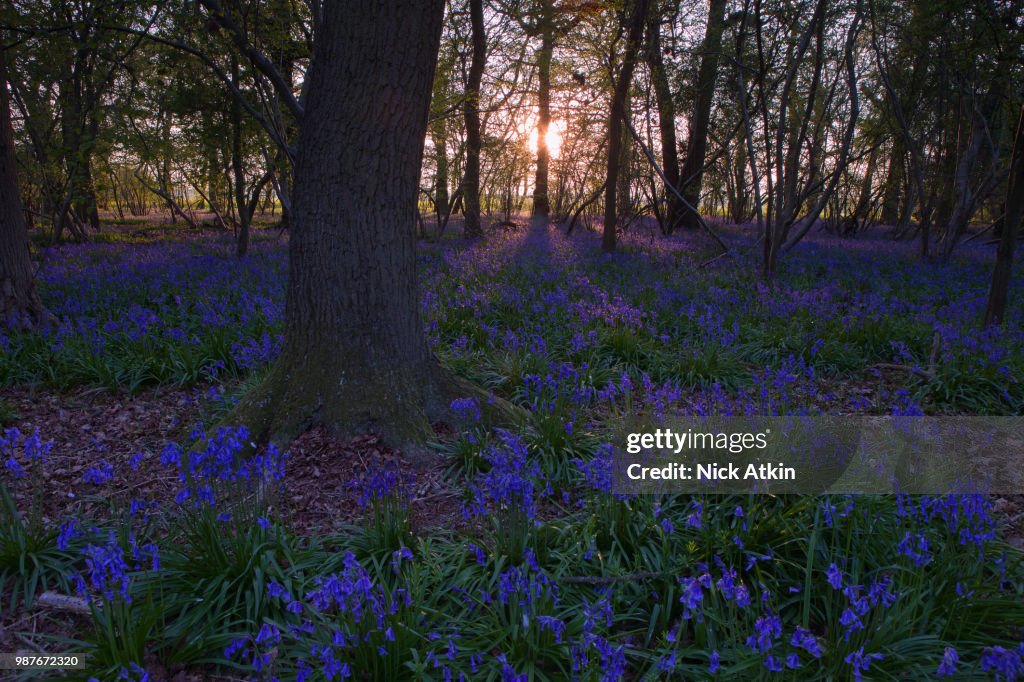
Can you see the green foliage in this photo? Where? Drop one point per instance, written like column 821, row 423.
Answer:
column 30, row 561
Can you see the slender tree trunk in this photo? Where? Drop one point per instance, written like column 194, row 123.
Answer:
column 944, row 187
column 471, row 185
column 441, row 196
column 666, row 120
column 615, row 115
column 541, row 201
column 967, row 198
column 788, row 137
column 75, row 147
column 692, row 172
column 439, row 137
column 19, row 303
column 998, row 293
column 355, row 355
column 624, row 199
column 212, row 166
column 894, row 182
column 87, row 206
column 860, row 211
column 238, row 166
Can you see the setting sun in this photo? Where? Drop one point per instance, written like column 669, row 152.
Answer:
column 554, row 138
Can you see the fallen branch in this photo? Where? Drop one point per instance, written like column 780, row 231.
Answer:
column 926, row 374
column 916, row 371
column 711, row 260
column 63, row 602
column 686, row 204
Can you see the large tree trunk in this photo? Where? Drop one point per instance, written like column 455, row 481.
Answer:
column 692, row 172
column 355, row 355
column 998, row 292
column 616, row 113
column 471, row 187
column 541, row 200
column 19, row 303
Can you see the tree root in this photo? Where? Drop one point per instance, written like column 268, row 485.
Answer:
column 398, row 405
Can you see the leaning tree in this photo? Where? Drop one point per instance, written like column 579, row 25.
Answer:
column 19, row 303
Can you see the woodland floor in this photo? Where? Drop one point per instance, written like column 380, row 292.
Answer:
column 128, row 431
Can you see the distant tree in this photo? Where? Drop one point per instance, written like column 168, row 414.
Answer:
column 439, row 129
column 998, row 292
column 550, row 21
column 545, row 27
column 635, row 21
column 471, row 111
column 65, row 65
column 808, row 106
column 692, row 171
column 666, row 114
column 19, row 302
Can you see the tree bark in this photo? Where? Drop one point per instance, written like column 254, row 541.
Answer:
column 471, row 184
column 19, row 303
column 692, row 172
column 616, row 114
column 355, row 356
column 999, row 290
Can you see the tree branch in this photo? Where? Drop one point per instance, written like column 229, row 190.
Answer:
column 258, row 59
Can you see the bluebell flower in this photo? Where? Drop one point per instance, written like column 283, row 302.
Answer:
column 467, row 409
column 133, row 670
column 68, row 531
column 692, row 596
column 99, row 474
column 1007, row 664
column 948, row 664
column 835, row 577
column 108, row 570
column 14, row 467
column 509, row 483
column 804, row 639
column 766, row 629
column 861, row 662
column 478, row 553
